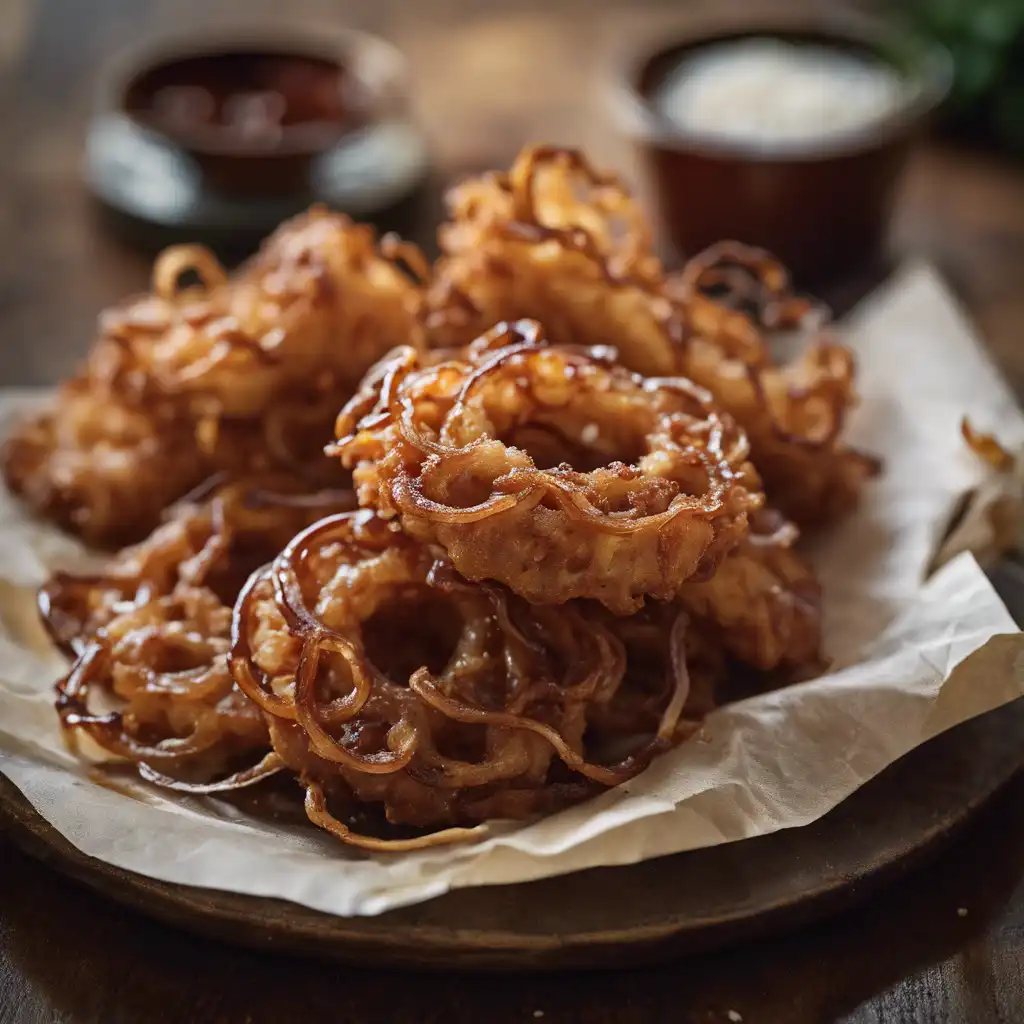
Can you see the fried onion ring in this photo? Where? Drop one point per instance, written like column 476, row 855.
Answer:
column 481, row 712
column 152, row 635
column 551, row 471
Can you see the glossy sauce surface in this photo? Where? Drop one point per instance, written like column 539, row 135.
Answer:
column 245, row 99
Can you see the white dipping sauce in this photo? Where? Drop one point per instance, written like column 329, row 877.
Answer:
column 768, row 92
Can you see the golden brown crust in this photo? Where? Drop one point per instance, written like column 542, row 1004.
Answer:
column 559, row 568
column 481, row 711
column 242, row 374
column 763, row 605
column 100, row 467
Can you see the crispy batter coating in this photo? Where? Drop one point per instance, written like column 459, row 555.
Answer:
column 793, row 413
column 242, row 374
column 763, row 605
column 555, row 241
column 481, row 711
column 101, row 467
column 320, row 302
column 552, row 471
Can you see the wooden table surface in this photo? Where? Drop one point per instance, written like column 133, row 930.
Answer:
column 488, row 77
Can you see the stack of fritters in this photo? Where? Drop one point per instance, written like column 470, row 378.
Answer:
column 577, row 480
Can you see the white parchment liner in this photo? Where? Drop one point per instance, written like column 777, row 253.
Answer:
column 912, row 659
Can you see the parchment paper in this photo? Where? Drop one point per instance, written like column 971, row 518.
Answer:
column 912, row 659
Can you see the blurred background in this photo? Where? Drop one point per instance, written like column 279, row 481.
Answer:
column 85, row 199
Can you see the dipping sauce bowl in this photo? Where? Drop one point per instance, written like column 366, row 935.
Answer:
column 821, row 201
column 220, row 137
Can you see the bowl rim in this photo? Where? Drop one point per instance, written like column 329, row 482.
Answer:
column 378, row 65
column 641, row 120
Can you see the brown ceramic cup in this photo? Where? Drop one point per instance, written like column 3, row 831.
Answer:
column 823, row 208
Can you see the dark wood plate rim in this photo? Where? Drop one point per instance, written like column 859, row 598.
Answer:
column 607, row 917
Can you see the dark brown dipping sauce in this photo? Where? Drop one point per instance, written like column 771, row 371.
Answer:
column 245, row 99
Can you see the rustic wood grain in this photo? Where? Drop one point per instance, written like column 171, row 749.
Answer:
column 68, row 955
column 640, row 914
column 490, row 75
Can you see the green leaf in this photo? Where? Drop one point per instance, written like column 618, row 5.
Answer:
column 977, row 68
column 947, row 18
column 1008, row 115
column 997, row 22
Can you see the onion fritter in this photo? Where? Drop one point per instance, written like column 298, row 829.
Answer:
column 242, row 374
column 553, row 241
column 480, row 711
column 152, row 633
column 552, row 471
column 557, row 242
column 318, row 303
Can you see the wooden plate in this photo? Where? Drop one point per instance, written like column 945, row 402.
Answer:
column 609, row 916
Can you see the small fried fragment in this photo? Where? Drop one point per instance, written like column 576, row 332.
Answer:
column 986, row 447
column 989, row 521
